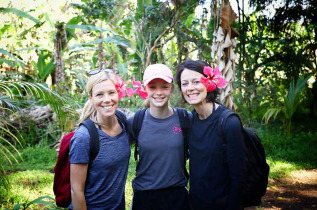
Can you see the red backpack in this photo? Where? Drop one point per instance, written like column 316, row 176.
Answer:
column 61, row 186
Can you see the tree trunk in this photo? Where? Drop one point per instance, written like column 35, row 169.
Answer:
column 223, row 50
column 59, row 45
column 101, row 55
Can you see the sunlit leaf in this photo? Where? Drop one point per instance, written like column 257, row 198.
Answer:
column 3, row 51
column 20, row 13
column 89, row 28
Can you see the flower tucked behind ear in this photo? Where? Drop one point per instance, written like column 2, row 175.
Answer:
column 121, row 87
column 140, row 89
column 213, row 79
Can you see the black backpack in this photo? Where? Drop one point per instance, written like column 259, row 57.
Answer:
column 257, row 170
column 185, row 124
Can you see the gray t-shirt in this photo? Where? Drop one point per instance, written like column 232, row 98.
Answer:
column 107, row 176
column 161, row 153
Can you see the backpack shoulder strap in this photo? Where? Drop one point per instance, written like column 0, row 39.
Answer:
column 136, row 127
column 137, row 122
column 221, row 129
column 184, row 119
column 122, row 117
column 222, row 122
column 185, row 124
column 94, row 139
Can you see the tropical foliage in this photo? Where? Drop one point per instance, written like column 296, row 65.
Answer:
column 290, row 102
column 12, row 94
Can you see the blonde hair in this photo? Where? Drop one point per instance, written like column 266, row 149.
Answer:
column 146, row 104
column 89, row 110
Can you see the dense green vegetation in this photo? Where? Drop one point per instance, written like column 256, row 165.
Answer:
column 46, row 48
column 33, row 177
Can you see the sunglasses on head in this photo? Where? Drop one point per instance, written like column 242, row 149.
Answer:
column 96, row 71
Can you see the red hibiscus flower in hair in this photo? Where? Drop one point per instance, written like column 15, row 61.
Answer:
column 213, row 79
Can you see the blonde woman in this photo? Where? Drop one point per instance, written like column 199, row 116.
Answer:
column 102, row 184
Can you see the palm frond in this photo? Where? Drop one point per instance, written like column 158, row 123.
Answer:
column 3, row 179
column 7, row 154
column 8, row 104
column 20, row 89
column 271, row 112
column 13, row 92
column 292, row 98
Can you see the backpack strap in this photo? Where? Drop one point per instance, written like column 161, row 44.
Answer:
column 136, row 126
column 94, row 136
column 185, row 124
column 221, row 127
column 222, row 122
column 94, row 139
column 121, row 117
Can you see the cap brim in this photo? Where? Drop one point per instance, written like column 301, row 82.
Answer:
column 165, row 78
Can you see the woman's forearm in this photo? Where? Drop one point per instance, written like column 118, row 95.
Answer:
column 78, row 200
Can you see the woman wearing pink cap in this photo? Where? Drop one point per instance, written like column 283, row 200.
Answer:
column 160, row 181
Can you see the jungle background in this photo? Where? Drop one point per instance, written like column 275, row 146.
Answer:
column 47, row 47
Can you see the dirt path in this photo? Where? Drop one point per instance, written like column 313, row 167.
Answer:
column 296, row 193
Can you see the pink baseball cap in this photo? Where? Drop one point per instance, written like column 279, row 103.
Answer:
column 157, row 71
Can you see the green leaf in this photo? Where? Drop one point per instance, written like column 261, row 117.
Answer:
column 270, row 112
column 49, row 68
column 118, row 41
column 9, row 62
column 73, row 21
column 40, row 64
column 89, row 28
column 141, row 5
column 3, row 51
column 110, row 39
column 19, row 13
column 40, row 201
column 44, row 69
column 84, row 49
column 49, row 20
column 17, row 206
column 189, row 20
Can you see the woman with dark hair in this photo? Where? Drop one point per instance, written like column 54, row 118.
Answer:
column 216, row 177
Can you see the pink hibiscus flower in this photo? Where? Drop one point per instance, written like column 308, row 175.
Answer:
column 140, row 89
column 120, row 87
column 213, row 79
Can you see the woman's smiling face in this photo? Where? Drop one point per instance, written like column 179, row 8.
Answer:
column 105, row 98
column 193, row 90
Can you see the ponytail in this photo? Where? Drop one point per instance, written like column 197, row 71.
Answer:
column 89, row 110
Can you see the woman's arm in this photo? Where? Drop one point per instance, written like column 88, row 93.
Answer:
column 129, row 130
column 236, row 160
column 78, row 174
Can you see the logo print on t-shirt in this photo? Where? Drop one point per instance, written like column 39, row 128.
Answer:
column 177, row 129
